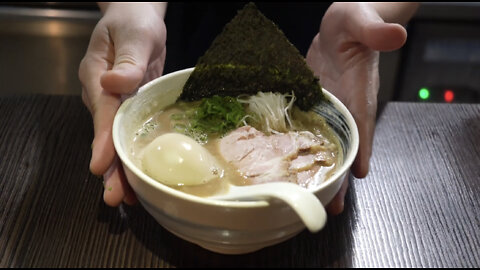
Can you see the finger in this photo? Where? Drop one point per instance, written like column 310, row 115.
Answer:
column 103, row 150
column 366, row 128
column 86, row 100
column 116, row 186
column 155, row 68
column 102, row 106
column 363, row 106
column 337, row 205
column 132, row 54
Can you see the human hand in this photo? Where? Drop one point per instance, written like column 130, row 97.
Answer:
column 345, row 56
column 126, row 50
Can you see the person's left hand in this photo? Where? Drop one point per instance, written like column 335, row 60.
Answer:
column 345, row 56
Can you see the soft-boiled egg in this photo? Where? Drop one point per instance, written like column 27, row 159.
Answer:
column 176, row 159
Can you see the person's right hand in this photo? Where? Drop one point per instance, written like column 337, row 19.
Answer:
column 126, row 50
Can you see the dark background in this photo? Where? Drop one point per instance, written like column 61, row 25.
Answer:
column 42, row 43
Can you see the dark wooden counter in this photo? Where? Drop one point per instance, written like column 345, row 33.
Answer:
column 418, row 207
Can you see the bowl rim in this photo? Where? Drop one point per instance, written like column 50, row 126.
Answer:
column 125, row 159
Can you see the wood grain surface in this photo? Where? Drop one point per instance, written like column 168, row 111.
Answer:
column 418, row 207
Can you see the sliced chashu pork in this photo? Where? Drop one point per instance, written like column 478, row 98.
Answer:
column 293, row 157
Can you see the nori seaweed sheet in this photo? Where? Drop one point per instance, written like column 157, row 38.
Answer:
column 250, row 55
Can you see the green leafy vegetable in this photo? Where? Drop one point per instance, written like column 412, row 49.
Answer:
column 218, row 114
column 214, row 115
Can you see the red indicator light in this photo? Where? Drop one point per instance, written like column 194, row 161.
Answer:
column 448, row 96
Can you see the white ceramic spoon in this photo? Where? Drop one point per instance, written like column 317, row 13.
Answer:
column 306, row 204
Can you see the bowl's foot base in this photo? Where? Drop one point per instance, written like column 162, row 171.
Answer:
column 232, row 248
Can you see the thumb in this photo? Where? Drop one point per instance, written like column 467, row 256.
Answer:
column 131, row 61
column 384, row 36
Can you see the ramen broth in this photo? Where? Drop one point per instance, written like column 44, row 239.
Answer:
column 160, row 123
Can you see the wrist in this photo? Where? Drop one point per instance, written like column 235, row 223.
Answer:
column 160, row 8
column 395, row 12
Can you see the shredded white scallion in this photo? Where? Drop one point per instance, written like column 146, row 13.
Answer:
column 273, row 110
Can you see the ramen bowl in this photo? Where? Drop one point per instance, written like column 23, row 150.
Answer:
column 222, row 226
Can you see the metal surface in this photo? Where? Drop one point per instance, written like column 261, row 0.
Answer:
column 41, row 48
column 442, row 54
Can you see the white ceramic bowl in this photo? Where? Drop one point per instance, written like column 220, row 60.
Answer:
column 229, row 227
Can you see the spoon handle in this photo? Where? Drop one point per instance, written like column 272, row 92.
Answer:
column 303, row 202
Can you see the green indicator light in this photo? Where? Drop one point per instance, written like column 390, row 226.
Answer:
column 424, row 93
